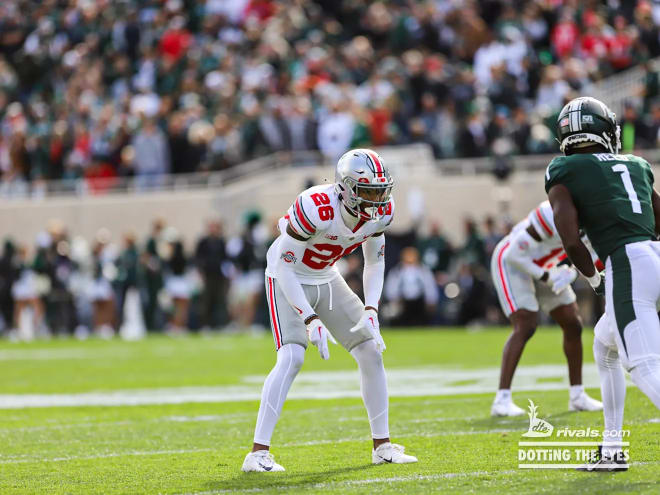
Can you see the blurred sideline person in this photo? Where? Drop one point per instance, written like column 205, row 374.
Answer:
column 526, row 275
column 210, row 256
column 178, row 287
column 612, row 198
column 309, row 300
column 101, row 293
column 411, row 286
column 247, row 254
column 28, row 307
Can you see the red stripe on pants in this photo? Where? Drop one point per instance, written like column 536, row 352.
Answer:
column 273, row 314
column 500, row 267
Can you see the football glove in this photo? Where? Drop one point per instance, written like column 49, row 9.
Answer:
column 599, row 289
column 369, row 321
column 319, row 335
column 561, row 277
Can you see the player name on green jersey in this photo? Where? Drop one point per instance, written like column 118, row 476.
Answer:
column 612, row 194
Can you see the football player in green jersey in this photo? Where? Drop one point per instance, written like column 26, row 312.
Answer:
column 611, row 197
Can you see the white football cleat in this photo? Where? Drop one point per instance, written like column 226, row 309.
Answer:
column 261, row 461
column 505, row 408
column 391, row 453
column 584, row 403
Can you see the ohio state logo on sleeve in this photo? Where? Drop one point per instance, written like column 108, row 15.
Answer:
column 289, row 257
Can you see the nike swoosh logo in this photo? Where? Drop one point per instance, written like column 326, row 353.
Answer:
column 387, row 460
column 360, row 172
column 269, row 468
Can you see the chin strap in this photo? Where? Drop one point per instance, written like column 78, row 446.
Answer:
column 586, row 138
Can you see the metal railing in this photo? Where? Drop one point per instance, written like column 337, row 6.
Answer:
column 415, row 157
column 163, row 183
column 405, row 156
column 624, row 86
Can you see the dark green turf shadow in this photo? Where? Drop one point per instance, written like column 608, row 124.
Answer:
column 280, row 481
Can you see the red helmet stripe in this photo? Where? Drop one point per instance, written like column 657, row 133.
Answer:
column 374, row 158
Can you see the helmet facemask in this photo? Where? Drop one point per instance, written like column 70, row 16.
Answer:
column 366, row 201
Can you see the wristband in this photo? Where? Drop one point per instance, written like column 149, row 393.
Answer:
column 594, row 280
column 309, row 319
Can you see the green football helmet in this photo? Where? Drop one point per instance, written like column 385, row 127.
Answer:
column 586, row 121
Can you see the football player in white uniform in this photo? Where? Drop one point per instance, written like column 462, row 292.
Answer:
column 527, row 274
column 309, row 300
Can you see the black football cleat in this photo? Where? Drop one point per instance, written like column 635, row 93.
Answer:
column 605, row 464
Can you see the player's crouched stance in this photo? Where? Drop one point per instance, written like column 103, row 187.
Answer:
column 528, row 276
column 309, row 300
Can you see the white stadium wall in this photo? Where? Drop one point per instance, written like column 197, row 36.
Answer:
column 447, row 199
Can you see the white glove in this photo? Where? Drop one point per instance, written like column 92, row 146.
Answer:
column 561, row 277
column 319, row 335
column 369, row 321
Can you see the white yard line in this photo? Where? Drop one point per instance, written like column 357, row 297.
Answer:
column 160, row 349
column 50, row 354
column 350, row 483
column 102, row 456
column 402, row 435
column 402, row 382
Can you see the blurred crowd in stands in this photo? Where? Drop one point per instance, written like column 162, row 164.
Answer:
column 102, row 89
column 65, row 284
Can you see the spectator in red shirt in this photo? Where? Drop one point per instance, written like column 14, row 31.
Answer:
column 620, row 44
column 565, row 35
column 175, row 40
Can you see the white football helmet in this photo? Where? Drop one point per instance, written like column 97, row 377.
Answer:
column 363, row 183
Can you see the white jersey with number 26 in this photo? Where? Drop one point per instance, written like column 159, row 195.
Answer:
column 316, row 216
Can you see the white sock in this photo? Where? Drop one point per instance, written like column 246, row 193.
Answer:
column 646, row 376
column 503, row 395
column 373, row 385
column 575, row 391
column 613, row 392
column 290, row 358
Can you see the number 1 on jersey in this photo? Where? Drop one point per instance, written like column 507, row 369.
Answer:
column 627, row 183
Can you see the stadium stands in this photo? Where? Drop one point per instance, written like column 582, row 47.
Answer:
column 105, row 90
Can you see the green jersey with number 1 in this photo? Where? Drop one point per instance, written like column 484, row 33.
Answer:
column 612, row 194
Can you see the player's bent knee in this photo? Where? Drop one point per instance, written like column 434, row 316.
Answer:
column 292, row 356
column 367, row 353
column 605, row 356
column 524, row 323
column 645, row 369
column 646, row 375
column 573, row 330
column 525, row 330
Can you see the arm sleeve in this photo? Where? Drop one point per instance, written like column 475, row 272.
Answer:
column 374, row 269
column 290, row 254
column 518, row 254
column 600, row 266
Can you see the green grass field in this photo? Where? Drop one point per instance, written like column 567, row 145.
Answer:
column 176, row 416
